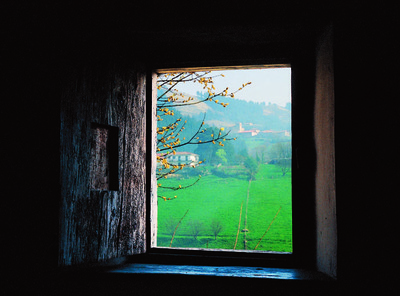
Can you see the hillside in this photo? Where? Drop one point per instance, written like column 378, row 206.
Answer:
column 260, row 116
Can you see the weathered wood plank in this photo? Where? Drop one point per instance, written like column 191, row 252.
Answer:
column 223, row 271
column 220, row 68
column 100, row 217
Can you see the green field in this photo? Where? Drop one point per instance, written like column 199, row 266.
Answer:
column 220, row 199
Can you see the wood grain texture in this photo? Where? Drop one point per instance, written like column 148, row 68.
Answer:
column 223, row 271
column 97, row 225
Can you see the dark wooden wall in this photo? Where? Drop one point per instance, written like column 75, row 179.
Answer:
column 102, row 186
column 365, row 53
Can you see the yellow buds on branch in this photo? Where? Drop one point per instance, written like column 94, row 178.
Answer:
column 168, row 136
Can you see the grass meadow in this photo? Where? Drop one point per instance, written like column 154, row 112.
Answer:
column 219, row 199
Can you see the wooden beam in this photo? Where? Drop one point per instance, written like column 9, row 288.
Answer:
column 220, row 68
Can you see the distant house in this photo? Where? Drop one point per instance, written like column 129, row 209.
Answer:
column 179, row 158
column 264, row 134
column 250, row 133
column 267, row 133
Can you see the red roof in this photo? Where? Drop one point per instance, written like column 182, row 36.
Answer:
column 250, row 131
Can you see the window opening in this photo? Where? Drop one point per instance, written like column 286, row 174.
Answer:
column 224, row 160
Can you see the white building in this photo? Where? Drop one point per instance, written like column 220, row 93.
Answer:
column 179, row 158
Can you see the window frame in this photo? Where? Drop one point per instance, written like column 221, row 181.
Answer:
column 303, row 230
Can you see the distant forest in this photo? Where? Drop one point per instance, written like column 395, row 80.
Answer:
column 261, row 116
column 252, row 116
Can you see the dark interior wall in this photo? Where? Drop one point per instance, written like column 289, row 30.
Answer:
column 90, row 92
column 326, row 230
column 366, row 142
column 102, row 192
column 366, row 83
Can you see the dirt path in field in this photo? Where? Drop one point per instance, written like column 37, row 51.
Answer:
column 245, row 230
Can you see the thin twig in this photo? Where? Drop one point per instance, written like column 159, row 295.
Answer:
column 268, row 227
column 245, row 217
column 182, row 187
column 176, row 228
column 240, row 218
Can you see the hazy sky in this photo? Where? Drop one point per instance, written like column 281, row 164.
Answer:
column 267, row 85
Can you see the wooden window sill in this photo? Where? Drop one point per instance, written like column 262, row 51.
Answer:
column 222, row 271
